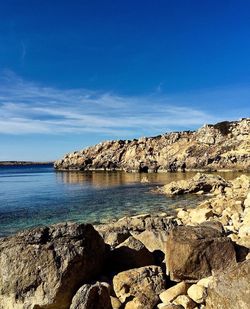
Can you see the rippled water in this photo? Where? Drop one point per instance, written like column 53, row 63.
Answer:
column 35, row 195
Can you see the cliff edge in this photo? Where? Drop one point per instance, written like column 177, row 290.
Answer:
column 225, row 145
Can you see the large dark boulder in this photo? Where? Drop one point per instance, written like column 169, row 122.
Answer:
column 193, row 252
column 44, row 267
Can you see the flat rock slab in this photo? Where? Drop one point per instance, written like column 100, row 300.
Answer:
column 193, row 252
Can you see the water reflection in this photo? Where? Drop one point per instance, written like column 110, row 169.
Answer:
column 110, row 179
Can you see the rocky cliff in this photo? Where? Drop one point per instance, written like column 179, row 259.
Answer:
column 225, row 145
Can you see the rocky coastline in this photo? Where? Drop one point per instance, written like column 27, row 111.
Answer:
column 197, row 258
column 222, row 146
column 24, row 163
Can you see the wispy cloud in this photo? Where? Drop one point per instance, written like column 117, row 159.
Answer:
column 27, row 107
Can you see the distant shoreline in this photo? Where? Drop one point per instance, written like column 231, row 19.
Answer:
column 24, row 163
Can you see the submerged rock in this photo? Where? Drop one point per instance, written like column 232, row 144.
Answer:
column 44, row 267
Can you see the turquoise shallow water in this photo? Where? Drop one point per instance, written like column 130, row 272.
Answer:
column 35, row 195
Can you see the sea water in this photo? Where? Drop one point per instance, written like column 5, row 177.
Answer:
column 39, row 195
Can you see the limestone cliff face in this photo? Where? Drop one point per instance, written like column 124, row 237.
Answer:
column 225, row 145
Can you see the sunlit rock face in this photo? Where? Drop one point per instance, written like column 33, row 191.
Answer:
column 225, row 145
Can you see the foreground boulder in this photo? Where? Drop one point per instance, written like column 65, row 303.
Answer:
column 230, row 289
column 44, row 267
column 140, row 287
column 193, row 252
column 94, row 296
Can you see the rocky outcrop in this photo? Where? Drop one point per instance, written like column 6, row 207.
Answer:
column 200, row 183
column 225, row 145
column 44, row 267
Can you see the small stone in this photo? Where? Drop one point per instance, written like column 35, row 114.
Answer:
column 185, row 302
column 205, row 281
column 197, row 293
column 170, row 294
column 200, row 215
column 236, row 220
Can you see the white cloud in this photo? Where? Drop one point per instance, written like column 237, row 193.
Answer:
column 27, row 107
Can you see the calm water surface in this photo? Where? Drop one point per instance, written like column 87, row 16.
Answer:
column 35, row 195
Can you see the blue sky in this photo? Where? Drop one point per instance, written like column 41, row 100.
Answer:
column 74, row 73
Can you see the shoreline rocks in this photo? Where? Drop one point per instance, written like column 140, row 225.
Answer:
column 199, row 184
column 225, row 145
column 198, row 259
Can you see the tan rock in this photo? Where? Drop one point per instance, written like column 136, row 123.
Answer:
column 247, row 201
column 197, row 293
column 236, row 220
column 230, row 288
column 170, row 294
column 185, row 302
column 45, row 266
column 198, row 216
column 137, row 303
column 183, row 214
column 115, row 303
column 144, row 283
column 114, row 238
column 200, row 182
column 205, row 281
column 153, row 239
